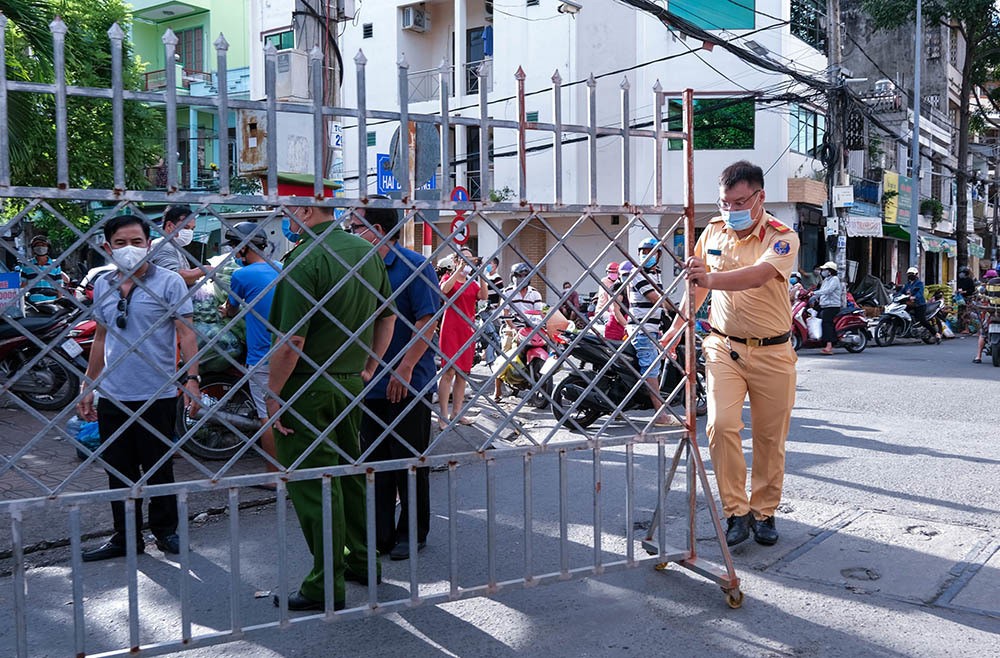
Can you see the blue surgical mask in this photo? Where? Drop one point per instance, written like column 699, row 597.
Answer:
column 239, row 262
column 286, row 229
column 794, row 280
column 650, row 261
column 737, row 220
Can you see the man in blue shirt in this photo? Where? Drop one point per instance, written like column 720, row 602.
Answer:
column 410, row 372
column 915, row 289
column 251, row 285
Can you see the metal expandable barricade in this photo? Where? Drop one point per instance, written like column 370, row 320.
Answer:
column 551, row 493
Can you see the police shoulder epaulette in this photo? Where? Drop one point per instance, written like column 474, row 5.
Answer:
column 778, row 226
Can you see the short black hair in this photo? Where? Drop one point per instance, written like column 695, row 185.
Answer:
column 386, row 218
column 176, row 214
column 495, row 260
column 743, row 171
column 120, row 221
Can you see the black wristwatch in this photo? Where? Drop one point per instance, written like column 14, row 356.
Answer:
column 190, row 377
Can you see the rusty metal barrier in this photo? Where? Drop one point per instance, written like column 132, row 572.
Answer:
column 569, row 414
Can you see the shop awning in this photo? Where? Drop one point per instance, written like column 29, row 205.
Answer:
column 935, row 244
column 895, row 232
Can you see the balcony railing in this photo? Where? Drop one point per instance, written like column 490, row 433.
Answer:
column 426, row 85
column 155, row 80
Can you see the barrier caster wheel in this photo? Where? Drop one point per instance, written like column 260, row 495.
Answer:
column 662, row 566
column 734, row 598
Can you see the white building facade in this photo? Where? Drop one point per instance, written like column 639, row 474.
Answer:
column 612, row 42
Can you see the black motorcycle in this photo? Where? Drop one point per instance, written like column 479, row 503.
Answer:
column 619, row 386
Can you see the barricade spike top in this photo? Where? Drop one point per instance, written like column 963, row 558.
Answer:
column 360, row 58
column 401, row 62
column 221, row 43
column 315, row 53
column 115, row 32
column 169, row 38
column 625, row 83
column 556, row 78
column 270, row 50
column 57, row 26
column 657, row 87
column 519, row 74
column 591, row 81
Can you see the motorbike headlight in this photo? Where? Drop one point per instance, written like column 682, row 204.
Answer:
column 73, row 333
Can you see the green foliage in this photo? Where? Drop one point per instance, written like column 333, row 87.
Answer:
column 932, row 208
column 89, row 132
column 501, row 195
column 719, row 123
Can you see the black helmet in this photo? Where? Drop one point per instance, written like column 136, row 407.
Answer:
column 520, row 270
column 246, row 233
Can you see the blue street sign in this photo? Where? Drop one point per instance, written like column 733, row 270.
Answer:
column 386, row 182
column 460, row 194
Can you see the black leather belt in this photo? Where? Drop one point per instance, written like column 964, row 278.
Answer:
column 757, row 342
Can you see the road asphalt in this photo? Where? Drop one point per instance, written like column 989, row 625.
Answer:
column 889, row 544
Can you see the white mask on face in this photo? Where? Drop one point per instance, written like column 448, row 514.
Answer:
column 128, row 257
column 184, row 237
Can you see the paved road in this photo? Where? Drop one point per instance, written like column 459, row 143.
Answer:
column 889, row 547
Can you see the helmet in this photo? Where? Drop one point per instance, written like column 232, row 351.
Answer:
column 913, row 271
column 990, row 274
column 795, row 275
column 520, row 270
column 626, row 267
column 612, row 266
column 828, row 265
column 649, row 243
column 246, row 232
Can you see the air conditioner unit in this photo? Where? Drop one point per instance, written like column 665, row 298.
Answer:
column 415, row 19
column 291, row 81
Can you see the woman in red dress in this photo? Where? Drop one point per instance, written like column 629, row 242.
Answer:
column 457, row 328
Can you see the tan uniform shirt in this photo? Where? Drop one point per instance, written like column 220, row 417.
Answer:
column 759, row 312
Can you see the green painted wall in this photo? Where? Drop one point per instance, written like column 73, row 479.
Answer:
column 226, row 16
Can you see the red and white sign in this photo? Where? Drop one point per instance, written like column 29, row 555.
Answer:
column 460, row 228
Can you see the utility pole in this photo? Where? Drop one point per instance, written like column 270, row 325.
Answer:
column 918, row 42
column 315, row 24
column 836, row 172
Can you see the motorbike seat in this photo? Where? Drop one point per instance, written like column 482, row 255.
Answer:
column 931, row 308
column 32, row 324
column 625, row 347
column 845, row 311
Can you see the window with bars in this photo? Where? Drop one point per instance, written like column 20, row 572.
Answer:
column 531, row 3
column 531, row 117
column 367, row 30
column 808, row 22
column 371, row 138
column 191, row 49
column 953, row 47
column 281, row 40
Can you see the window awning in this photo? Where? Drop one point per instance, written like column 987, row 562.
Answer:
column 935, row 244
column 895, row 232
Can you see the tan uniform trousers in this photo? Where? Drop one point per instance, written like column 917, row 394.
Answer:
column 767, row 374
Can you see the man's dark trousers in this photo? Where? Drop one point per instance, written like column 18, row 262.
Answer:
column 413, row 427
column 135, row 451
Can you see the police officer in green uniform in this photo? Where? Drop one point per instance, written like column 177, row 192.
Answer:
column 307, row 318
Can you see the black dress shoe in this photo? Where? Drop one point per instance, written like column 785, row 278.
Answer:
column 361, row 579
column 764, row 532
column 401, row 551
column 169, row 544
column 110, row 550
column 297, row 602
column 738, row 528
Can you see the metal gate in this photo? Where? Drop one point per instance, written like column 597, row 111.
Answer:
column 556, row 478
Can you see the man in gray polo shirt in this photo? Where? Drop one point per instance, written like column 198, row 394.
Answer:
column 145, row 306
column 168, row 252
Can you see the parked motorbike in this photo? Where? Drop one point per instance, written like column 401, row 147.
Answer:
column 52, row 382
column 992, row 347
column 227, row 425
column 851, row 326
column 617, row 387
column 896, row 322
column 525, row 368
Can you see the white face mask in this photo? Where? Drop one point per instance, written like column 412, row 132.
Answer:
column 184, row 237
column 128, row 257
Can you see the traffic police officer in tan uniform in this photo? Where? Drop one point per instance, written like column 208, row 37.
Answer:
column 746, row 256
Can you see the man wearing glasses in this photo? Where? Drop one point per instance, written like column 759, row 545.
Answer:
column 409, row 373
column 745, row 256
column 337, row 322
column 139, row 304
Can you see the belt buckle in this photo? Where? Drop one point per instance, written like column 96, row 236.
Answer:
column 754, row 342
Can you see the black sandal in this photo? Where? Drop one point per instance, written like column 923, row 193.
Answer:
column 977, row 360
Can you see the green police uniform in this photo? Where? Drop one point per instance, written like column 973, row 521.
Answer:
column 317, row 269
